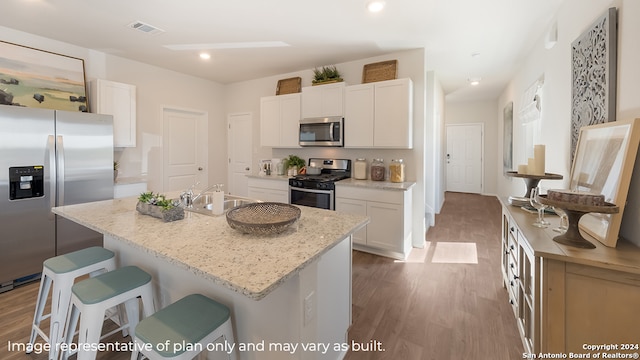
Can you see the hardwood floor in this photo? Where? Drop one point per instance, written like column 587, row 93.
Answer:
column 438, row 304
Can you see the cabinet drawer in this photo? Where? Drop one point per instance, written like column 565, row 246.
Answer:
column 275, row 184
column 385, row 196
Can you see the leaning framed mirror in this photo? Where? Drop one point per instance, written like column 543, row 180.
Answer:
column 603, row 164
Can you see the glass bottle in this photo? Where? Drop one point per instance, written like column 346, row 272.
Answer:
column 360, row 169
column 396, row 171
column 377, row 170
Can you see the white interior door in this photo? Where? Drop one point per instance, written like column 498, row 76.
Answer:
column 464, row 158
column 240, row 141
column 184, row 148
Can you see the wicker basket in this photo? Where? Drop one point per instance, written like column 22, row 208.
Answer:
column 289, row 86
column 263, row 218
column 380, row 71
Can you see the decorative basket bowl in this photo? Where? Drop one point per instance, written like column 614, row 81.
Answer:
column 263, row 218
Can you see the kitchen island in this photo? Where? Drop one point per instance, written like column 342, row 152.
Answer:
column 285, row 291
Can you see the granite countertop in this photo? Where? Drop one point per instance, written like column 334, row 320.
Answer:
column 380, row 185
column 205, row 245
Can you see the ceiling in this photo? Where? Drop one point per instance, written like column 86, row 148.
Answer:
column 318, row 32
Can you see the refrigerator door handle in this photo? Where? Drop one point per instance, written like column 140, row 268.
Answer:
column 51, row 149
column 60, row 170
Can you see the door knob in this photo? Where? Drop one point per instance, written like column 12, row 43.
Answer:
column 247, row 169
column 200, row 168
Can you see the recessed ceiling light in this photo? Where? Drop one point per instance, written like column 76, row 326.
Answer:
column 205, row 56
column 235, row 45
column 375, row 6
column 474, row 81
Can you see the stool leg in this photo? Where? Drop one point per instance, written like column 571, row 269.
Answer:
column 60, row 299
column 148, row 307
column 133, row 314
column 43, row 293
column 72, row 323
column 90, row 330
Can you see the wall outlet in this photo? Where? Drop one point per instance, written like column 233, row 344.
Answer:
column 309, row 307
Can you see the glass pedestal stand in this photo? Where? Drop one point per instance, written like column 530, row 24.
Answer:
column 574, row 212
column 531, row 181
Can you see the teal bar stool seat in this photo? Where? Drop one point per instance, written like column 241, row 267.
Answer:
column 194, row 319
column 90, row 299
column 62, row 271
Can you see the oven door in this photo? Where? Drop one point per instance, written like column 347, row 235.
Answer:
column 322, row 199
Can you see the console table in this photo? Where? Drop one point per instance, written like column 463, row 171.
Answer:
column 565, row 298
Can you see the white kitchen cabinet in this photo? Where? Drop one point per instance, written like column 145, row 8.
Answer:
column 119, row 100
column 266, row 189
column 127, row 189
column 379, row 115
column 389, row 230
column 279, row 120
column 323, row 100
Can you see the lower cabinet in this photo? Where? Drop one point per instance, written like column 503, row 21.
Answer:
column 568, row 300
column 389, row 230
column 276, row 190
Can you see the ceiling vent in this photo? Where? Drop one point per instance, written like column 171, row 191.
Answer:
column 145, row 28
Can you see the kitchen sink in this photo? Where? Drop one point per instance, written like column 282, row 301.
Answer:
column 204, row 205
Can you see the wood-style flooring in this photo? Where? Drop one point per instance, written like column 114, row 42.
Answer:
column 445, row 302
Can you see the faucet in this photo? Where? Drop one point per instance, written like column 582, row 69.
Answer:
column 186, row 198
column 218, row 187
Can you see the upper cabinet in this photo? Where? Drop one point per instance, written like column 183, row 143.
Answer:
column 379, row 115
column 279, row 120
column 323, row 100
column 119, row 100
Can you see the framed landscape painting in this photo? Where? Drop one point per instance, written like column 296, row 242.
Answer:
column 41, row 79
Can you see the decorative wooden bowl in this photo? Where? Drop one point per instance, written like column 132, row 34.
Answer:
column 574, row 212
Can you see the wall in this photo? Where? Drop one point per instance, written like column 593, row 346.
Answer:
column 481, row 112
column 435, row 148
column 245, row 97
column 573, row 18
column 155, row 87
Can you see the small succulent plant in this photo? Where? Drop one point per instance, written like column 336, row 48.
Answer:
column 158, row 200
column 325, row 74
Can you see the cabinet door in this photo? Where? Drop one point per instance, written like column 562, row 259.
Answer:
column 323, row 100
column 289, row 120
column 118, row 100
column 385, row 229
column 358, row 116
column 269, row 121
column 358, row 207
column 393, row 124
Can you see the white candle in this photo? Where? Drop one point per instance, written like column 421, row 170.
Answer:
column 531, row 166
column 539, row 158
column 522, row 169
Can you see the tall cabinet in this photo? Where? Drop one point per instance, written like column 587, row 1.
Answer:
column 564, row 297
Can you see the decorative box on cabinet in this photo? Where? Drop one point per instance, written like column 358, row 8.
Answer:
column 119, row 100
column 389, row 230
column 379, row 115
column 323, row 100
column 564, row 297
column 279, row 120
column 269, row 189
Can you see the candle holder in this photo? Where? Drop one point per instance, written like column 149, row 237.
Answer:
column 531, row 181
column 574, row 212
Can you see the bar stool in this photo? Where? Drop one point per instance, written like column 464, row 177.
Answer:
column 62, row 271
column 92, row 297
column 194, row 319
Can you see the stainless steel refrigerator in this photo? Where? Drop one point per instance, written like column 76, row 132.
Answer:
column 48, row 158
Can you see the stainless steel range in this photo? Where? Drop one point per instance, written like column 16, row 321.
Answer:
column 319, row 190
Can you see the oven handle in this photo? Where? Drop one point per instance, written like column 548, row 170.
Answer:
column 315, row 191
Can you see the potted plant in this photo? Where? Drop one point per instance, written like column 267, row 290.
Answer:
column 115, row 170
column 159, row 206
column 328, row 74
column 294, row 164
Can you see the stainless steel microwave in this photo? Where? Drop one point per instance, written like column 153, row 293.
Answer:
column 324, row 131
